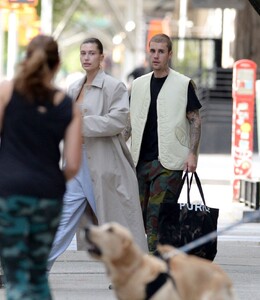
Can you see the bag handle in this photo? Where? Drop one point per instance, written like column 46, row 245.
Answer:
column 184, row 177
column 198, row 185
column 189, row 184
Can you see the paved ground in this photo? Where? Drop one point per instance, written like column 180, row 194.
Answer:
column 77, row 277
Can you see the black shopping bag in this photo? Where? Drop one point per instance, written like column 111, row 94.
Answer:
column 182, row 223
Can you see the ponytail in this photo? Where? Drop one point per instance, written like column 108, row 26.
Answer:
column 41, row 59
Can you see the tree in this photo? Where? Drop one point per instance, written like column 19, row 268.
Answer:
column 247, row 42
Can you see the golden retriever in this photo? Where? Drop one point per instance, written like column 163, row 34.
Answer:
column 139, row 276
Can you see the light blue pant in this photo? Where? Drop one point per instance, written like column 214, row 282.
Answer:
column 79, row 192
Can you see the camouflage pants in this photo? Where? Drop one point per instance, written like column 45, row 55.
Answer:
column 156, row 185
column 27, row 229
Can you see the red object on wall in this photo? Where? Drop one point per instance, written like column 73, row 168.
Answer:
column 243, row 91
column 155, row 26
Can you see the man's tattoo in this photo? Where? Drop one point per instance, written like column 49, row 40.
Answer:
column 195, row 129
column 127, row 130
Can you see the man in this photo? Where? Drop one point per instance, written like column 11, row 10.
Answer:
column 166, row 128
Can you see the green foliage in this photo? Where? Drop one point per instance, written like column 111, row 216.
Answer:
column 198, row 55
column 83, row 20
column 191, row 57
column 70, row 60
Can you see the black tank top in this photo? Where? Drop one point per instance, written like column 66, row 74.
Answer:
column 29, row 150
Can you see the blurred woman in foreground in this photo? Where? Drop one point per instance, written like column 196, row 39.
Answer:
column 34, row 117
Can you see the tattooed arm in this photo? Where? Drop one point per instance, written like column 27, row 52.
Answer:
column 127, row 130
column 195, row 132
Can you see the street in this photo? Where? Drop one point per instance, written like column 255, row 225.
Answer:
column 77, row 277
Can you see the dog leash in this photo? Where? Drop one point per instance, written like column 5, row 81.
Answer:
column 212, row 235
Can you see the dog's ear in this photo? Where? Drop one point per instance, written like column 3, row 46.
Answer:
column 163, row 249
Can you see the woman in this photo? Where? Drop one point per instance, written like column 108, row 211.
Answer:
column 105, row 107
column 34, row 118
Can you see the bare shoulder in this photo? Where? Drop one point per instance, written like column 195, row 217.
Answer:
column 6, row 88
column 59, row 97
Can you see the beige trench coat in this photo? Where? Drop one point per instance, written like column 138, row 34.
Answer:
column 105, row 108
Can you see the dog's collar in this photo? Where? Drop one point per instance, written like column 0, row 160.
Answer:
column 153, row 286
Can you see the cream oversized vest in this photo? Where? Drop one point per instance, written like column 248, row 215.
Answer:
column 173, row 126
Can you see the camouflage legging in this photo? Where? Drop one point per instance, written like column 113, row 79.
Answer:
column 27, row 229
column 156, row 185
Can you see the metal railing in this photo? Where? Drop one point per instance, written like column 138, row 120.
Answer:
column 249, row 193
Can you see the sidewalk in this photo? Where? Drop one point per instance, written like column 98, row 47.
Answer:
column 216, row 174
column 75, row 276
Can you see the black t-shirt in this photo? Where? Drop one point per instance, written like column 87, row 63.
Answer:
column 29, row 150
column 149, row 147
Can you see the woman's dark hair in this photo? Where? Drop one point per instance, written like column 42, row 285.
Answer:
column 96, row 41
column 42, row 57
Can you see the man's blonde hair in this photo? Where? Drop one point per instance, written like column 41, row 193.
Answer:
column 162, row 38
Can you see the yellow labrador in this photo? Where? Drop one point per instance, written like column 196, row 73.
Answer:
column 139, row 276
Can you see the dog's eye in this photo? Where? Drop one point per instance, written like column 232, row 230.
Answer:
column 110, row 229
